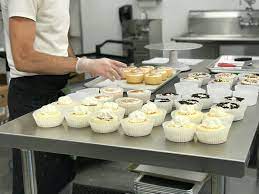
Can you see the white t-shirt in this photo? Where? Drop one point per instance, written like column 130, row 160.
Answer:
column 52, row 25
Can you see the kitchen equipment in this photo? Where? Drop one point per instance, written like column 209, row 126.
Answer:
column 173, row 48
column 236, row 64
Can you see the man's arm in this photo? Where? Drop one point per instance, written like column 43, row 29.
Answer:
column 27, row 59
column 71, row 52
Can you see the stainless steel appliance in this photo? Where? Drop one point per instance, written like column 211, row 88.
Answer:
column 223, row 33
column 140, row 32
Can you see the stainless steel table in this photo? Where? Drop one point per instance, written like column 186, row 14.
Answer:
column 229, row 159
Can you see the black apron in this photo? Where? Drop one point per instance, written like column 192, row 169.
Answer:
column 26, row 94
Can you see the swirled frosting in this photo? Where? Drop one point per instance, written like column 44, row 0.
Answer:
column 111, row 105
column 49, row 110
column 137, row 117
column 150, row 108
column 65, row 100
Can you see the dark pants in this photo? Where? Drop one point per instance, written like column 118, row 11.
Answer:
column 26, row 94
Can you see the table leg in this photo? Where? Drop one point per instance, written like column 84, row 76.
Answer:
column 218, row 184
column 29, row 172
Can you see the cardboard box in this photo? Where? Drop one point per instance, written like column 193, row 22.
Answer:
column 3, row 95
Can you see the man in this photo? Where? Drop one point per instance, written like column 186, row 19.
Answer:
column 40, row 58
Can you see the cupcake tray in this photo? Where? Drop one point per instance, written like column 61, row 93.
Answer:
column 243, row 64
column 123, row 84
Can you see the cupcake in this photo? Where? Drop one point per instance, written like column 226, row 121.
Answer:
column 153, row 79
column 162, row 72
column 164, row 103
column 197, row 80
column 115, row 108
column 238, row 100
column 227, row 76
column 103, row 98
column 115, row 92
column 190, row 102
column 157, row 115
column 144, row 95
column 204, row 99
column 179, row 130
column 233, row 108
column 170, row 96
column 222, row 82
column 212, row 131
column 127, row 70
column 135, row 77
column 146, row 69
column 91, row 104
column 188, row 112
column 169, row 70
column 137, row 124
column 78, row 117
column 48, row 117
column 220, row 113
column 248, row 76
column 130, row 104
column 104, row 121
column 64, row 104
column 250, row 83
column 201, row 75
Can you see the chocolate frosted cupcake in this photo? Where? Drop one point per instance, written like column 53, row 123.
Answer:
column 190, row 102
column 233, row 108
column 164, row 103
column 205, row 99
column 171, row 96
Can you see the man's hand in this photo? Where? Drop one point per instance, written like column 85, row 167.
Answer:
column 106, row 68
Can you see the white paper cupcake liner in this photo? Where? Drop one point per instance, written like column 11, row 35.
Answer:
column 237, row 113
column 129, row 108
column 136, row 129
column 213, row 137
column 48, row 122
column 77, row 122
column 142, row 96
column 199, row 82
column 158, row 119
column 206, row 103
column 178, row 135
column 168, row 106
column 104, row 127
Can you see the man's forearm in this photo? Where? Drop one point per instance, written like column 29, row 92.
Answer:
column 70, row 51
column 40, row 63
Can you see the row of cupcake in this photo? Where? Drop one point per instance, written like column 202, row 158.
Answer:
column 147, row 74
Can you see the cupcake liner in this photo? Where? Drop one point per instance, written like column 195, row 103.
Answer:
column 168, row 106
column 178, row 135
column 183, row 87
column 136, row 129
column 129, row 108
column 213, row 137
column 104, row 127
column 65, row 108
column 76, row 121
column 142, row 96
column 199, row 82
column 237, row 113
column 206, row 103
column 197, row 119
column 158, row 119
column 48, row 122
column 250, row 95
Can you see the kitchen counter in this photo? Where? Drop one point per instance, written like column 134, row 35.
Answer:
column 228, row 159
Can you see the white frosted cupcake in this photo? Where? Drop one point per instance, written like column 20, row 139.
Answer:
column 233, row 108
column 140, row 94
column 137, row 124
column 191, row 102
column 204, row 99
column 212, row 131
column 179, row 130
column 130, row 104
column 115, row 92
column 48, row 117
column 189, row 112
column 219, row 113
column 103, row 98
column 201, row 75
column 115, row 108
column 79, row 117
column 104, row 121
column 92, row 104
column 157, row 115
column 64, row 104
column 166, row 104
column 197, row 80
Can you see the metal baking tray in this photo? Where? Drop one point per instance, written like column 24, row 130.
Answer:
column 249, row 66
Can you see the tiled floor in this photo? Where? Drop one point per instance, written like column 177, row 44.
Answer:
column 248, row 185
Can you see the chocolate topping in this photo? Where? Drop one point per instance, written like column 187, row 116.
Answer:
column 189, row 102
column 162, row 100
column 201, row 96
column 239, row 99
column 228, row 105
